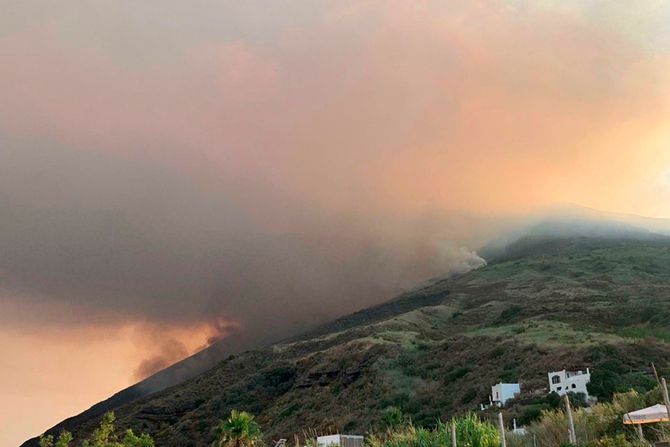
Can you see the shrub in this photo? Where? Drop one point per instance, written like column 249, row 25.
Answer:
column 393, row 417
column 103, row 436
column 63, row 440
column 599, row 426
column 470, row 431
column 473, row 432
column 469, row 396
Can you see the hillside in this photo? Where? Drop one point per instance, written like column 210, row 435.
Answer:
column 436, row 350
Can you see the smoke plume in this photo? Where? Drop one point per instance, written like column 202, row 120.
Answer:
column 273, row 165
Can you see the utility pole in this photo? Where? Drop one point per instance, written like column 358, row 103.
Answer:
column 453, row 432
column 503, row 442
column 572, row 436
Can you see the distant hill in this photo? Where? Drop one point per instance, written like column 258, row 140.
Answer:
column 574, row 228
column 547, row 303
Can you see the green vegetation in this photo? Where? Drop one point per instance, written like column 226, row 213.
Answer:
column 238, row 430
column 63, row 440
column 470, row 431
column 610, row 375
column 394, row 417
column 436, row 351
column 103, row 436
column 599, row 426
column 547, row 333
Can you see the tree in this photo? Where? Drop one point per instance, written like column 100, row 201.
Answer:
column 103, row 436
column 132, row 440
column 63, row 440
column 604, row 383
column 239, row 430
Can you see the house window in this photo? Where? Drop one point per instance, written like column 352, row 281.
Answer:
column 556, row 379
column 559, row 388
column 574, row 386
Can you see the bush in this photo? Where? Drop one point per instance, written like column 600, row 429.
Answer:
column 533, row 412
column 103, row 436
column 470, row 431
column 473, row 432
column 63, row 440
column 393, row 417
column 469, row 396
column 606, row 382
column 599, row 426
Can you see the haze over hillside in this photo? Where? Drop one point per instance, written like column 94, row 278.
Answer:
column 569, row 221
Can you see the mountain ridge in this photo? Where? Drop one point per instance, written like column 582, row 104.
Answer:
column 516, row 306
column 575, row 218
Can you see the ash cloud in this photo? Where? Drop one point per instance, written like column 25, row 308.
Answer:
column 169, row 352
column 117, row 239
column 277, row 166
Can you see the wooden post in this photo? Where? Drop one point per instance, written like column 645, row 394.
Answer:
column 653, row 368
column 665, row 395
column 453, row 433
column 503, row 441
column 572, row 436
column 640, row 433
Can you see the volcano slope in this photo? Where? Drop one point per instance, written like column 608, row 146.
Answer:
column 436, row 350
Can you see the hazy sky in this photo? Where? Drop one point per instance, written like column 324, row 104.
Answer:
column 172, row 171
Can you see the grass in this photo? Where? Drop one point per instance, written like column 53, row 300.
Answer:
column 546, row 333
column 470, row 431
column 643, row 332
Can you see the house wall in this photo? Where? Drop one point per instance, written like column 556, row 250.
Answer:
column 329, row 440
column 563, row 382
column 351, row 441
column 503, row 392
column 340, row 441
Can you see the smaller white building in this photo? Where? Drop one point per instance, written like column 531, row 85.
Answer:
column 564, row 382
column 340, row 441
column 503, row 392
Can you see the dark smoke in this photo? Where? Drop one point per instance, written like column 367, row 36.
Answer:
column 116, row 239
column 170, row 351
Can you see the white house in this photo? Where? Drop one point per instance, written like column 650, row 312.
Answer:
column 340, row 441
column 563, row 382
column 503, row 392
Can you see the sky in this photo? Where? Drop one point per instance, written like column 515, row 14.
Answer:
column 174, row 172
